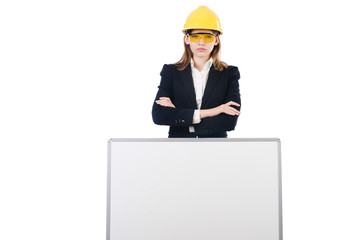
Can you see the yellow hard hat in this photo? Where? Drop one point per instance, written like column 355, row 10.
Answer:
column 202, row 18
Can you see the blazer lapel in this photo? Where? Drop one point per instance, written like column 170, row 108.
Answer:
column 186, row 77
column 214, row 76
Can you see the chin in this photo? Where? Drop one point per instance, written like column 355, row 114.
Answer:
column 202, row 54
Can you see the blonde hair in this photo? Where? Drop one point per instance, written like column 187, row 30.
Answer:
column 187, row 55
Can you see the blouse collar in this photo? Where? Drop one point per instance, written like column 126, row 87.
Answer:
column 207, row 65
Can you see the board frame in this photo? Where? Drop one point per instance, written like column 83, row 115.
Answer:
column 113, row 140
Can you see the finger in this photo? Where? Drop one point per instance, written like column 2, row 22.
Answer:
column 232, row 111
column 235, row 111
column 233, row 103
column 229, row 108
column 164, row 98
column 162, row 102
column 165, row 103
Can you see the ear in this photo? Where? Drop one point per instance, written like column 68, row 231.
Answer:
column 216, row 40
column 186, row 39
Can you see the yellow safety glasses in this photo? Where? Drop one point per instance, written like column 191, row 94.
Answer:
column 207, row 37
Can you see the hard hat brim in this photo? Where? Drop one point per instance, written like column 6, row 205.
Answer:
column 215, row 29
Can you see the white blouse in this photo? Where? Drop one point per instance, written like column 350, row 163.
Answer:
column 200, row 80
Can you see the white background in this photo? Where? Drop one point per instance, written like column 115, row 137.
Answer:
column 76, row 73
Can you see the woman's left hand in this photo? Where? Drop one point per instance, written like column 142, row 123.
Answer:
column 165, row 101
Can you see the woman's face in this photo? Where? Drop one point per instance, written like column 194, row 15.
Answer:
column 201, row 49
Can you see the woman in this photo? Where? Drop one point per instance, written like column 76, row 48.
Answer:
column 199, row 95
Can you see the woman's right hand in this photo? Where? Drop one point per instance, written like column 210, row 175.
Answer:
column 223, row 108
column 165, row 101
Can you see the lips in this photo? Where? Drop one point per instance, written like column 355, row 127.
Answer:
column 201, row 49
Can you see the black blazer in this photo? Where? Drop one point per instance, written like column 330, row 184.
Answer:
column 221, row 87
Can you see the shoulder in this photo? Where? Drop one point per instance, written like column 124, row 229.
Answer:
column 168, row 69
column 232, row 68
column 233, row 72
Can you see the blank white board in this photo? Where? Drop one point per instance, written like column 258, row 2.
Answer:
column 194, row 189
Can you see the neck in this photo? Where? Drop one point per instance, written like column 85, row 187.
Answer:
column 199, row 62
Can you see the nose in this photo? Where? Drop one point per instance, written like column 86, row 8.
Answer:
column 201, row 41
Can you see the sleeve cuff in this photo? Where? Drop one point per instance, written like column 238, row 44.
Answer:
column 196, row 118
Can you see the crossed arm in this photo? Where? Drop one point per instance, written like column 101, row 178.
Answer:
column 217, row 119
column 223, row 108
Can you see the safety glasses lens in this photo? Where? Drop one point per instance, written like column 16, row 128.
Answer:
column 206, row 37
